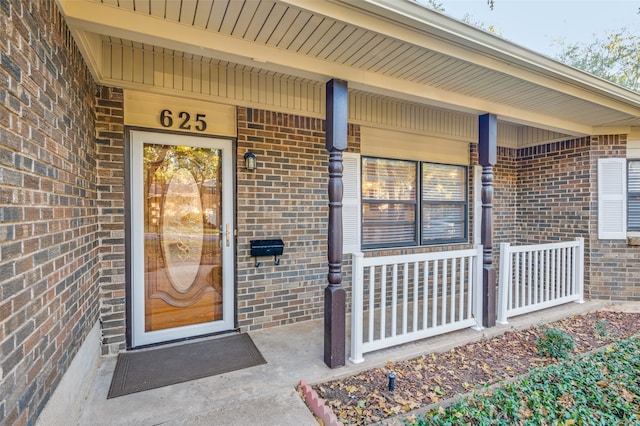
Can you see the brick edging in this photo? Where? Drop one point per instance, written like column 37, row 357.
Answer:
column 317, row 405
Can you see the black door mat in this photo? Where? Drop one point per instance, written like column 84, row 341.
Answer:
column 155, row 368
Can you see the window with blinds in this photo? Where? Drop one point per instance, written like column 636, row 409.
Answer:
column 389, row 202
column 444, row 203
column 633, row 195
column 408, row 203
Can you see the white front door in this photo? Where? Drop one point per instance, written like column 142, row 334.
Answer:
column 182, row 243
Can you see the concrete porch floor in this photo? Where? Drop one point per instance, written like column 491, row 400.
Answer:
column 266, row 394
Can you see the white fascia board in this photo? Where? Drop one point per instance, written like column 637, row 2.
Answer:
column 407, row 21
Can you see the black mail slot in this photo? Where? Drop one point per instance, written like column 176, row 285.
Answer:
column 267, row 247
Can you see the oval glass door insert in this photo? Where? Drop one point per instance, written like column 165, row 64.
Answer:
column 182, row 230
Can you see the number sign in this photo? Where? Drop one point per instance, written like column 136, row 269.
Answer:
column 184, row 121
column 179, row 114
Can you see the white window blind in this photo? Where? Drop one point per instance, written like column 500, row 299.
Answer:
column 612, row 209
column 444, row 203
column 351, row 203
column 633, row 212
column 388, row 202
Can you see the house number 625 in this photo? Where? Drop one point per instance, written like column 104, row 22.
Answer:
column 184, row 120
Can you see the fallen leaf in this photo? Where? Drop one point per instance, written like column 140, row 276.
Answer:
column 628, row 396
column 351, row 389
column 434, row 399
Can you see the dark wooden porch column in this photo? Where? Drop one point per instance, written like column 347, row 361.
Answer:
column 487, row 155
column 334, row 294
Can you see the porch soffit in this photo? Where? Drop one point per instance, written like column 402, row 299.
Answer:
column 396, row 49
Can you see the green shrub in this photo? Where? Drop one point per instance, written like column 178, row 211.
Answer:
column 555, row 343
column 601, row 328
column 601, row 388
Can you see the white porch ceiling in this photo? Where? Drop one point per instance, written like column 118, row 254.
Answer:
column 390, row 48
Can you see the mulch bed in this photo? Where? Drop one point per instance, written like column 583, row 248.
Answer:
column 364, row 398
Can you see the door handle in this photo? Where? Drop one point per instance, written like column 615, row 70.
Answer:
column 227, row 235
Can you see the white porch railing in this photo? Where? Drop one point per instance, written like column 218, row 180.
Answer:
column 539, row 276
column 414, row 296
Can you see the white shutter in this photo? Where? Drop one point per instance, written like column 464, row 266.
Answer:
column 351, row 203
column 612, row 199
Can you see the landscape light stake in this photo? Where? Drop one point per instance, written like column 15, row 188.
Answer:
column 392, row 382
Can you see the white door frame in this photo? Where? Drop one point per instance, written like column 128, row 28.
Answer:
column 139, row 336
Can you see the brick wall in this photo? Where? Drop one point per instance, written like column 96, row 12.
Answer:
column 505, row 210
column 614, row 265
column 111, row 208
column 554, row 192
column 286, row 197
column 48, row 250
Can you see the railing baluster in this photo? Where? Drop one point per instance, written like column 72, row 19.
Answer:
column 536, row 265
column 561, row 266
column 523, row 280
column 529, row 279
column 434, row 295
column 514, row 301
column 542, row 282
column 383, row 302
column 580, row 270
column 547, row 254
column 574, row 269
column 394, row 300
column 445, row 283
column 567, row 276
column 504, row 284
column 564, row 272
column 476, row 297
column 541, row 275
column 372, row 301
column 405, row 297
column 461, row 295
column 556, row 284
column 552, row 277
column 425, row 296
column 469, row 300
column 416, row 295
column 357, row 316
column 569, row 271
column 452, row 314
